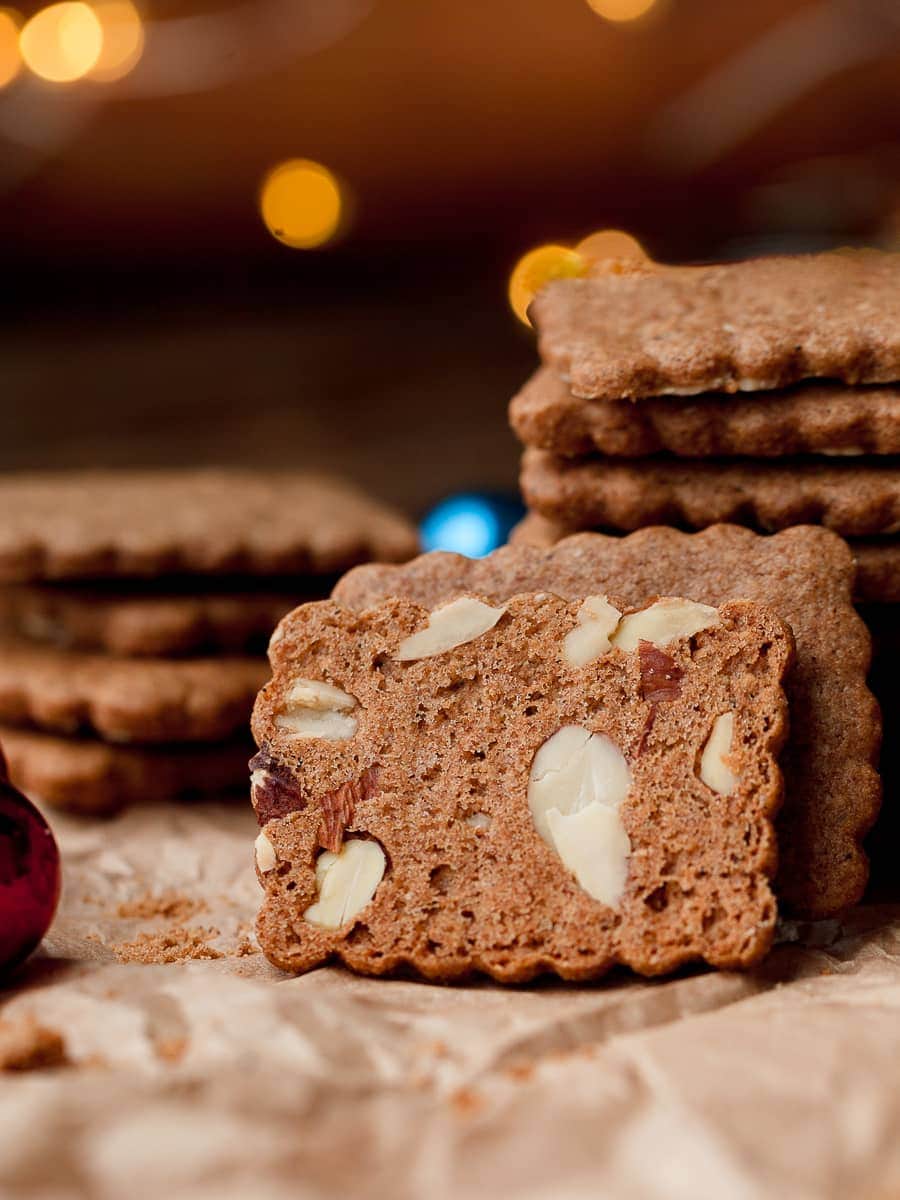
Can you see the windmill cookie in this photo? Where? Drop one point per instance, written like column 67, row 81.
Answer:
column 745, row 326
column 106, row 524
column 805, row 574
column 126, row 700
column 855, row 499
column 546, row 785
column 155, row 623
column 94, row 778
column 817, row 418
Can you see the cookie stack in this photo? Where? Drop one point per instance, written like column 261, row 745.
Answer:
column 135, row 612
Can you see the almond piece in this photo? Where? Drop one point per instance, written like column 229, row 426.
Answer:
column 597, row 622
column 451, row 625
column 664, row 621
column 315, row 709
column 266, row 858
column 714, row 770
column 346, row 882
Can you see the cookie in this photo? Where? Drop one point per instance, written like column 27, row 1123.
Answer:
column 109, row 524
column 805, row 574
column 854, row 499
column 817, row 418
column 546, row 785
column 91, row 777
column 877, row 562
column 746, row 326
column 155, row 624
column 124, row 699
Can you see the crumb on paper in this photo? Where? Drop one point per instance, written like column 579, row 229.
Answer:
column 177, row 945
column 467, row 1102
column 171, row 1050
column 26, row 1045
column 175, row 906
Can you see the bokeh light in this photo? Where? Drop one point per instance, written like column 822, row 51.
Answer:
column 611, row 243
column 470, row 523
column 63, row 42
column 123, row 40
column 301, row 204
column 621, row 10
column 537, row 268
column 10, row 56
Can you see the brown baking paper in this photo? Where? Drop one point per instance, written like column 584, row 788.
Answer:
column 220, row 1077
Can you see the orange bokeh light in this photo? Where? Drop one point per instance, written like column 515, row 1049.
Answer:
column 123, row 39
column 611, row 243
column 621, row 10
column 537, row 268
column 301, row 204
column 63, row 42
column 10, row 55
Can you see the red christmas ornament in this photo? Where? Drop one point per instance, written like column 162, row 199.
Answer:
column 29, row 875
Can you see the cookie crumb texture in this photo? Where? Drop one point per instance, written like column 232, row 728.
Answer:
column 491, row 791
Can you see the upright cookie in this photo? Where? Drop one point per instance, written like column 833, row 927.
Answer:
column 549, row 785
column 152, row 624
column 815, row 418
column 856, row 499
column 94, row 778
column 127, row 700
column 746, row 326
column 106, row 524
column 805, row 574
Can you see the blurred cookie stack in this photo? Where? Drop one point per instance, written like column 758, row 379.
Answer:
column 136, row 608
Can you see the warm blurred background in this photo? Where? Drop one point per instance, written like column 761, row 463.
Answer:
column 171, row 295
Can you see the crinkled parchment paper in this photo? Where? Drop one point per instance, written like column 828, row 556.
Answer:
column 219, row 1077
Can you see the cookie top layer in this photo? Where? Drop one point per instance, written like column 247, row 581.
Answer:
column 805, row 574
column 123, row 699
column 743, row 326
column 155, row 624
column 542, row 786
column 85, row 776
column 103, row 524
column 814, row 418
column 853, row 498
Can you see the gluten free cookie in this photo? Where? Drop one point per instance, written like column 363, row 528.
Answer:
column 542, row 785
column 140, row 524
column 815, row 418
column 855, row 498
column 805, row 574
column 83, row 775
column 126, row 700
column 745, row 326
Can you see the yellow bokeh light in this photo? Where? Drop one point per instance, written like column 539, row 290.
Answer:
column 537, row 268
column 621, row 10
column 10, row 57
column 301, row 204
column 123, row 39
column 63, row 42
column 611, row 244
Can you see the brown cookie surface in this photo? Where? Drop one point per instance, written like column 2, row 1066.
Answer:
column 134, row 625
column 126, row 700
column 744, row 326
column 92, row 777
column 505, row 789
column 805, row 574
column 853, row 498
column 812, row 418
column 103, row 524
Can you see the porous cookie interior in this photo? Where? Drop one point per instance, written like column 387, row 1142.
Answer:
column 377, row 729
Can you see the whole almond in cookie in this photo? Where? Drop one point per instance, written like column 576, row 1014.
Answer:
column 506, row 799
column 806, row 575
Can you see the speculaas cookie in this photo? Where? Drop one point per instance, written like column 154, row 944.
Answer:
column 805, row 574
column 746, row 326
column 157, row 623
column 124, row 699
column 104, row 524
column 815, row 418
column 546, row 785
column 94, row 778
column 855, row 498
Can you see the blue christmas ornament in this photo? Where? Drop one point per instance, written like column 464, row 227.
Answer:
column 472, row 523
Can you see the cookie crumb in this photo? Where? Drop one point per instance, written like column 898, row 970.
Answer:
column 180, row 944
column 175, row 906
column 26, row 1045
column 172, row 1050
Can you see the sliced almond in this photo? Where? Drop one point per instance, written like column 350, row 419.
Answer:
column 346, row 882
column 315, row 709
column 714, row 769
column 597, row 622
column 663, row 622
column 452, row 625
column 266, row 858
